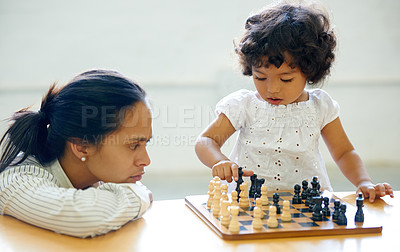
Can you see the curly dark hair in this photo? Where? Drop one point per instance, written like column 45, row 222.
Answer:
column 301, row 36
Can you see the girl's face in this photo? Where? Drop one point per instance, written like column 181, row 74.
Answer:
column 122, row 156
column 280, row 86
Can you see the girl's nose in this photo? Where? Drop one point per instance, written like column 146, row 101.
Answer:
column 273, row 87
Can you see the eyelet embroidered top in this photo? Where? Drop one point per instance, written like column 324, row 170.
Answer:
column 280, row 142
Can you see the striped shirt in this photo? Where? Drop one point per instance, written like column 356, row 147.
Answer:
column 44, row 196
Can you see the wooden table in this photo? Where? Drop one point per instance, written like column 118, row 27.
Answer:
column 171, row 226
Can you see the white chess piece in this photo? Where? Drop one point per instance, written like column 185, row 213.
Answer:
column 259, row 205
column 257, row 223
column 234, row 198
column 272, row 222
column 210, row 194
column 264, row 196
column 216, row 205
column 234, row 224
column 286, row 216
column 225, row 215
column 224, row 189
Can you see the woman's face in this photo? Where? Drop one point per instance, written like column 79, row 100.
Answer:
column 122, row 156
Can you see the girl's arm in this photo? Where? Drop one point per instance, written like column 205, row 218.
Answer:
column 208, row 149
column 350, row 163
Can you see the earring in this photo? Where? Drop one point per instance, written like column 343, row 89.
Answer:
column 83, row 159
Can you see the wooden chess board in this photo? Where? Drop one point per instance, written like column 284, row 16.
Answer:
column 300, row 225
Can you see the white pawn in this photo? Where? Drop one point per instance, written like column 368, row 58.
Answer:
column 210, row 194
column 259, row 205
column 286, row 216
column 264, row 196
column 234, row 225
column 272, row 222
column 257, row 223
column 224, row 189
column 234, row 198
column 225, row 215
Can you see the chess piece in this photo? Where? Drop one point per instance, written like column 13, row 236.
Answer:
column 240, row 180
column 243, row 199
column 225, row 215
column 336, row 211
column 216, row 207
column 326, row 212
column 272, row 222
column 234, row 224
column 234, row 198
column 359, row 214
column 276, row 202
column 210, row 194
column 264, row 196
column 342, row 219
column 315, row 185
column 253, row 186
column 317, row 214
column 257, row 223
column 259, row 183
column 259, row 205
column 286, row 216
column 305, row 189
column 224, row 189
column 296, row 198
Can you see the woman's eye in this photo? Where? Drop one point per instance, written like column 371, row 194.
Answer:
column 133, row 146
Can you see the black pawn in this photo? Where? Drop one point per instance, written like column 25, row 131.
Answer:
column 296, row 198
column 342, row 220
column 315, row 184
column 336, row 211
column 276, row 203
column 239, row 181
column 304, row 185
column 359, row 214
column 326, row 211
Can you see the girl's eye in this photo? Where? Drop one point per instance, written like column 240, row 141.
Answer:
column 258, row 78
column 288, row 80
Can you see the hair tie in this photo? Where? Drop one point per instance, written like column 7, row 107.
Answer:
column 43, row 116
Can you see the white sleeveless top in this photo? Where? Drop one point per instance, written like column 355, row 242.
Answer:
column 280, row 142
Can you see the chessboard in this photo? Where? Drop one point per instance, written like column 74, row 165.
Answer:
column 301, row 223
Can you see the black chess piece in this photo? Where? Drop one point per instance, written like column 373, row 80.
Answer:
column 326, row 211
column 313, row 194
column 305, row 188
column 296, row 197
column 342, row 219
column 314, row 188
column 252, row 190
column 317, row 214
column 308, row 200
column 259, row 183
column 336, row 211
column 359, row 214
column 239, row 181
column 275, row 199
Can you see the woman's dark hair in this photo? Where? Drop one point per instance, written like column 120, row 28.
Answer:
column 301, row 36
column 86, row 109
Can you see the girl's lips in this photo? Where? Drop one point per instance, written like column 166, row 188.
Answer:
column 137, row 177
column 274, row 101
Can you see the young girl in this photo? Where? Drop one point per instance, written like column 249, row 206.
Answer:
column 92, row 131
column 284, row 48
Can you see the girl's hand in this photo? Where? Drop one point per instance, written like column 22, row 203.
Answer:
column 226, row 169
column 373, row 192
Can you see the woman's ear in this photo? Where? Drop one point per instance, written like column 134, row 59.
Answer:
column 79, row 149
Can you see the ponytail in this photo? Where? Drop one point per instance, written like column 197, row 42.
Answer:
column 27, row 135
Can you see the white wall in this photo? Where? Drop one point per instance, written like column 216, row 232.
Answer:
column 181, row 52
